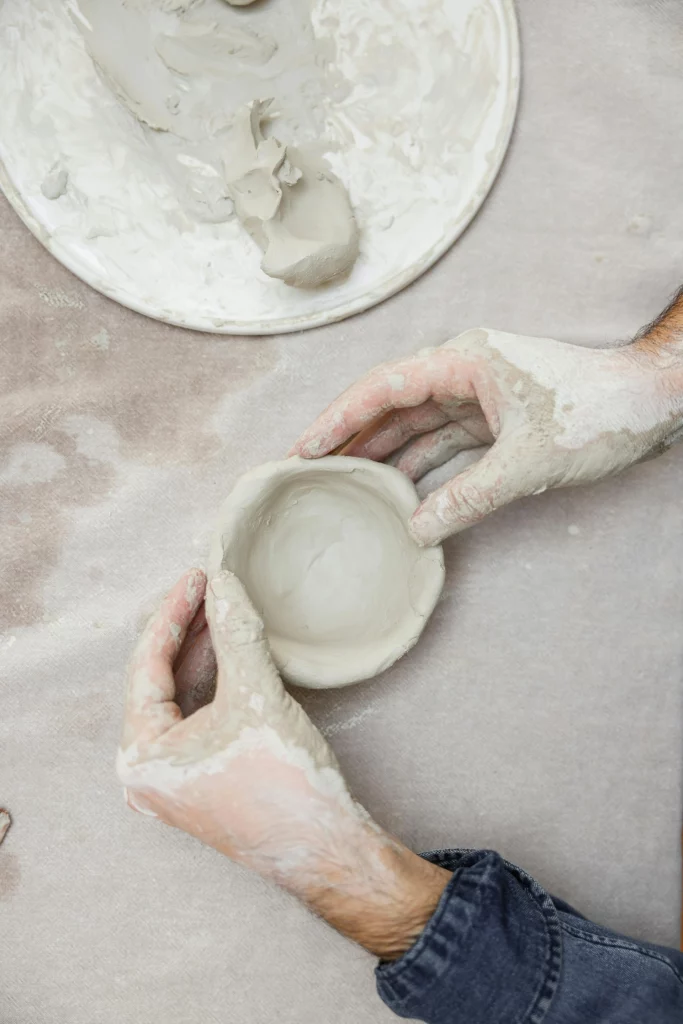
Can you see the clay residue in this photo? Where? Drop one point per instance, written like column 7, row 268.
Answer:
column 177, row 6
column 118, row 38
column 411, row 112
column 290, row 203
column 288, row 199
column 55, row 181
column 205, row 48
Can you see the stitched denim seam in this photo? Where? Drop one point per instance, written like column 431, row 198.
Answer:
column 550, row 972
column 631, row 947
column 418, row 948
column 553, row 967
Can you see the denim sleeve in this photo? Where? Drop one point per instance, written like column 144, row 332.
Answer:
column 499, row 950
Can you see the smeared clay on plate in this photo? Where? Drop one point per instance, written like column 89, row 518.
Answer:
column 323, row 550
column 289, row 201
column 115, row 123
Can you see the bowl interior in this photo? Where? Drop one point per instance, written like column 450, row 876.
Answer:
column 324, row 551
column 329, row 563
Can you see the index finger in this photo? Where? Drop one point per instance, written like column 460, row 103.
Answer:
column 397, row 385
column 150, row 690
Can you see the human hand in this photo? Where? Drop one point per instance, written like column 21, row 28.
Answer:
column 554, row 415
column 250, row 775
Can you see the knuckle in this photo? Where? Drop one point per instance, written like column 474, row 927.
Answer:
column 474, row 500
column 475, row 336
column 469, row 502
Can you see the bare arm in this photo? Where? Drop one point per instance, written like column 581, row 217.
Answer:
column 665, row 334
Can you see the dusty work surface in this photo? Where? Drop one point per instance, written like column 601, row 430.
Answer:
column 540, row 714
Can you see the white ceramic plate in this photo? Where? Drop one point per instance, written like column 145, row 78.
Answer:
column 414, row 102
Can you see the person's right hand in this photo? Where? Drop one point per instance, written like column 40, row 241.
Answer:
column 554, row 415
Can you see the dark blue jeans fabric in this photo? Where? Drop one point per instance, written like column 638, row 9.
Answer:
column 499, row 950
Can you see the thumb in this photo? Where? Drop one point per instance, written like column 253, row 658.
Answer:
column 469, row 497
column 245, row 667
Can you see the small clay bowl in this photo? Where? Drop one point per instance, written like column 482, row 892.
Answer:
column 323, row 549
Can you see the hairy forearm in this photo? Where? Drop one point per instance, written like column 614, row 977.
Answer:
column 658, row 347
column 664, row 336
column 378, row 893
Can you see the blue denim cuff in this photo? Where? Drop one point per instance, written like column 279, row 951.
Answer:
column 490, row 954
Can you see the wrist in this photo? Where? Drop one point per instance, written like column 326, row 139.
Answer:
column 380, row 894
column 654, row 354
column 663, row 363
column 420, row 889
column 661, row 342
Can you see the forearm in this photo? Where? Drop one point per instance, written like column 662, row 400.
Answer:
column 376, row 892
column 665, row 333
column 658, row 349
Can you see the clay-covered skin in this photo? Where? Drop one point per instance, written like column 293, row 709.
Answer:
column 250, row 775
column 553, row 414
column 257, row 740
column 291, row 204
column 324, row 552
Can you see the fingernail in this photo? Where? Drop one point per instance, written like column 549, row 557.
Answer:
column 223, row 585
column 309, row 449
column 221, row 597
column 194, row 584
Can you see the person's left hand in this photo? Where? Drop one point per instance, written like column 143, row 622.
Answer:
column 249, row 774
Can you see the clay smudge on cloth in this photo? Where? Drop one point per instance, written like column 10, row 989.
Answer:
column 128, row 388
